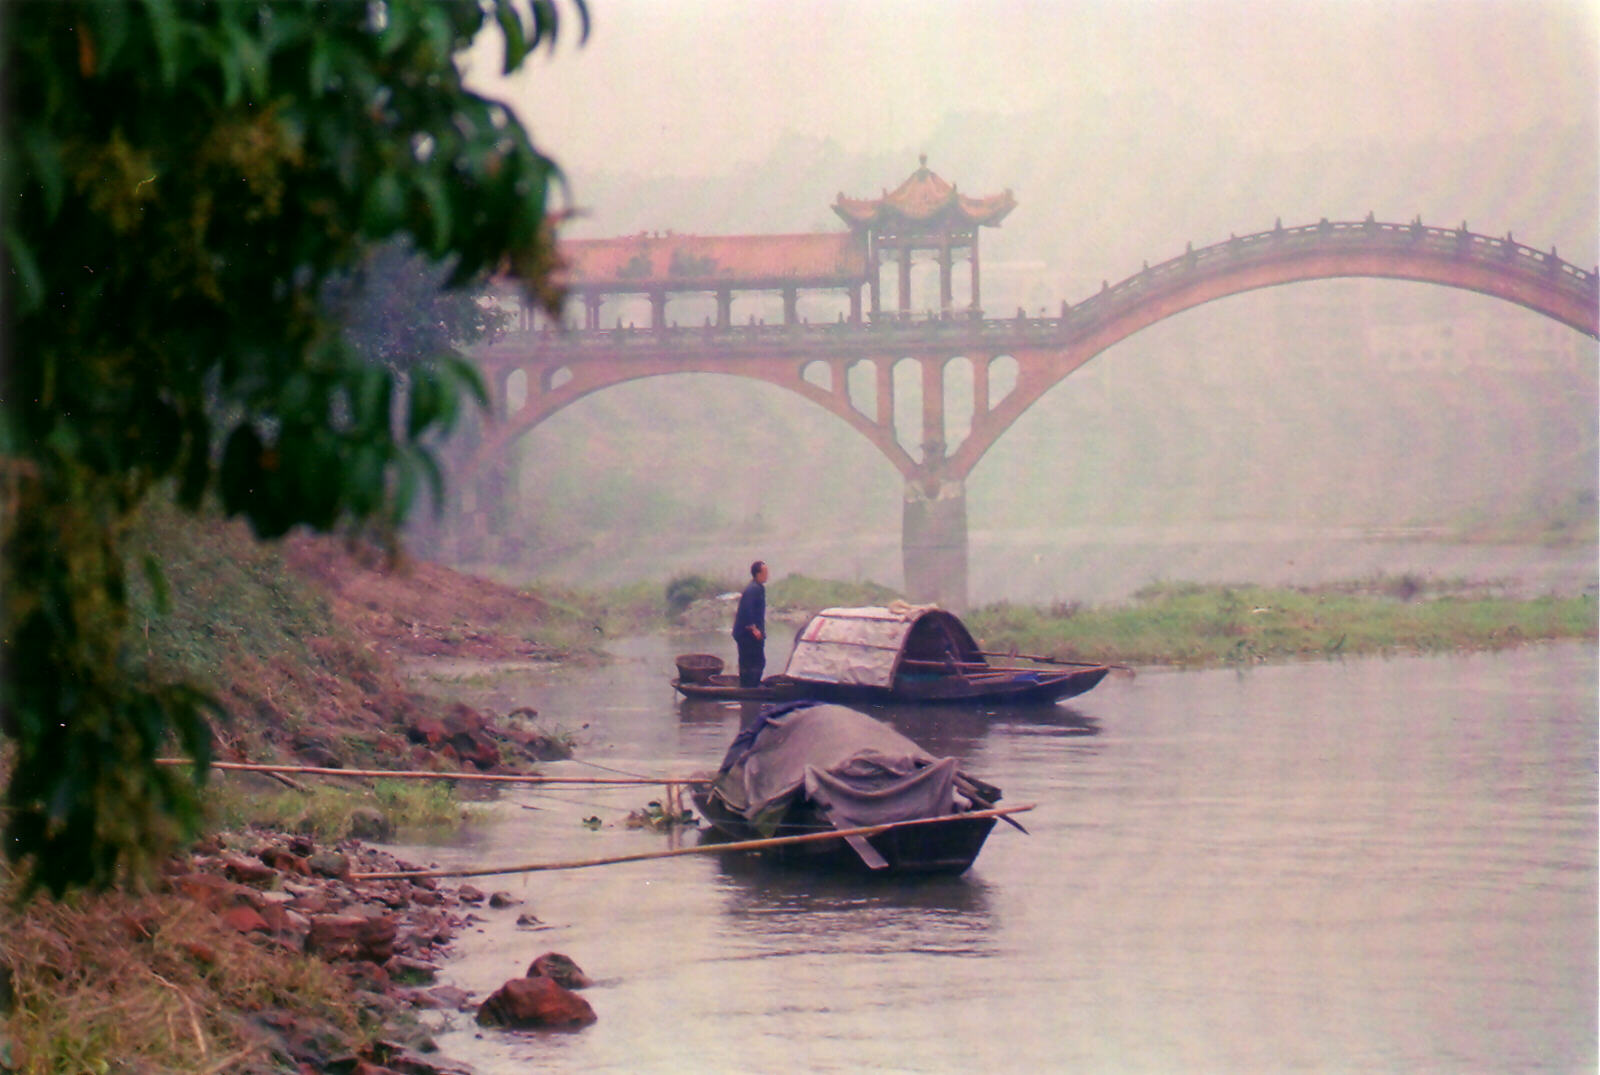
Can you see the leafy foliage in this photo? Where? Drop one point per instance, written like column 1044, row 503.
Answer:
column 181, row 181
column 396, row 310
column 684, row 590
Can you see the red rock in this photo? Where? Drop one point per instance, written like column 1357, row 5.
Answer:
column 469, row 894
column 562, row 970
column 351, row 937
column 429, row 730
column 280, row 919
column 281, row 858
column 313, row 903
column 210, row 891
column 329, row 864
column 200, row 952
column 247, row 871
column 245, row 920
column 532, row 1003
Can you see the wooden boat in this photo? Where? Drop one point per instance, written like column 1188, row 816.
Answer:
column 900, row 653
column 811, row 767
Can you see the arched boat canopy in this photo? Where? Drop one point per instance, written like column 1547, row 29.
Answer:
column 869, row 647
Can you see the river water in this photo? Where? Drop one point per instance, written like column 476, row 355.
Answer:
column 1364, row 865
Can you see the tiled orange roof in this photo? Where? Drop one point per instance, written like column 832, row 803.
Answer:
column 925, row 198
column 688, row 261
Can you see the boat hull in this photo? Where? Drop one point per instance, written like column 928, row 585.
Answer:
column 947, row 846
column 1003, row 687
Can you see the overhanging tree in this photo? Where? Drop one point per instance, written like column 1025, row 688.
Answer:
column 180, row 182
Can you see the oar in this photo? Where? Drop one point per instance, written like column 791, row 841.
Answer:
column 970, row 790
column 1057, row 660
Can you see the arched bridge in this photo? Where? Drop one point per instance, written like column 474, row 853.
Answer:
column 848, row 367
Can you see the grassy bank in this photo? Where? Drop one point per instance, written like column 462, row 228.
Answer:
column 1193, row 625
column 123, row 981
column 331, row 812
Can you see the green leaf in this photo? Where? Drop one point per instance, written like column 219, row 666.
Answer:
column 426, row 393
column 383, row 210
column 42, row 151
column 29, row 287
column 239, row 477
column 510, row 21
column 164, row 30
column 440, row 217
column 468, row 376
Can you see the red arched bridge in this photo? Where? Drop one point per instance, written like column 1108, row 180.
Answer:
column 848, row 367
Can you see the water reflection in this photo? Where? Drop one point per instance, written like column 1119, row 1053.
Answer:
column 942, row 730
column 773, row 910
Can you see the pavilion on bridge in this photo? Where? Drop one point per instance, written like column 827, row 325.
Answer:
column 923, row 214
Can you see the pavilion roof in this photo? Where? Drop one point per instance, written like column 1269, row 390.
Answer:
column 927, row 201
column 687, row 262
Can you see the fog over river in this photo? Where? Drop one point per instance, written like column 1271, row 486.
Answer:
column 1374, row 864
column 1108, row 564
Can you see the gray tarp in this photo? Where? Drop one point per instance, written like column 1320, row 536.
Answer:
column 859, row 770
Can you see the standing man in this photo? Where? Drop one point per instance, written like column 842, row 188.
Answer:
column 750, row 627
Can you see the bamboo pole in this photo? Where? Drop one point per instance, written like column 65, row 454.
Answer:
column 427, row 774
column 700, row 849
column 1057, row 660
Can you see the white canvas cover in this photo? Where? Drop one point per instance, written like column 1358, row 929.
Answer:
column 853, row 646
column 866, row 647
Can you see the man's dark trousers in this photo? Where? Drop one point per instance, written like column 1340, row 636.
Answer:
column 752, row 659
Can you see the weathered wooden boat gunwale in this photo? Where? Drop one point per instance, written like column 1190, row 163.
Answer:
column 901, row 654
column 949, row 847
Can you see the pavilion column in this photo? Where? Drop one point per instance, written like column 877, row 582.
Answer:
column 591, row 312
column 724, row 308
column 873, row 283
column 855, row 304
column 977, row 303
column 905, row 282
column 945, row 291
column 658, row 309
column 791, row 305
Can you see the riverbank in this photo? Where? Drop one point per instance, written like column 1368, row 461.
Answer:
column 1190, row 625
column 254, row 952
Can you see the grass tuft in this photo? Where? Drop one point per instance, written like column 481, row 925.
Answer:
column 1189, row 624
column 143, row 983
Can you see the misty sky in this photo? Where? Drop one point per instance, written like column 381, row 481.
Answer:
column 680, row 87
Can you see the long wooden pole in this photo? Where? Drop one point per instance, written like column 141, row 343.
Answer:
column 1057, row 660
column 701, row 849
column 428, row 774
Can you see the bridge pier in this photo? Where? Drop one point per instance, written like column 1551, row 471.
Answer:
column 933, row 544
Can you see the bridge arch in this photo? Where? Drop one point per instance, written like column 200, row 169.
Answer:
column 564, row 384
column 1499, row 268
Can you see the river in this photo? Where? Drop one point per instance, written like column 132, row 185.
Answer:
column 1373, row 864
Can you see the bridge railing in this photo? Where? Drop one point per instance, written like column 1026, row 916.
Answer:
column 1236, row 251
column 1453, row 243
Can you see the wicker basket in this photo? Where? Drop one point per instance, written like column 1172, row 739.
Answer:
column 698, row 667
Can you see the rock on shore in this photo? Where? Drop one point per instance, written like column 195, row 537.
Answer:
column 386, row 937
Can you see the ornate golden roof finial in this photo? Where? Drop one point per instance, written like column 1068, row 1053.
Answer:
column 922, row 160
